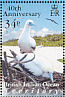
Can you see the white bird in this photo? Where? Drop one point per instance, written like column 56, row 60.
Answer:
column 26, row 42
column 39, row 66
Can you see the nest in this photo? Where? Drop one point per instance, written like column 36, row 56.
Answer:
column 14, row 75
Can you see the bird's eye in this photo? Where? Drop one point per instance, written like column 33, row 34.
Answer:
column 30, row 23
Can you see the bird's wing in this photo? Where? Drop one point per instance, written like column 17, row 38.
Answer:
column 55, row 22
column 32, row 43
column 48, row 19
column 30, row 66
column 52, row 20
column 38, row 66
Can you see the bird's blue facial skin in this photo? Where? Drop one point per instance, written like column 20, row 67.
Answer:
column 31, row 24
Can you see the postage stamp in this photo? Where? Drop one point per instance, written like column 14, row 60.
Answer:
column 32, row 48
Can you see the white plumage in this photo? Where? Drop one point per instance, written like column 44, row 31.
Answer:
column 41, row 66
column 26, row 42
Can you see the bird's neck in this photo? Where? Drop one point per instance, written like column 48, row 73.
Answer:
column 27, row 30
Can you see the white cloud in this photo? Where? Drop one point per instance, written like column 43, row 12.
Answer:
column 45, row 30
column 14, row 34
column 33, row 33
column 3, row 30
column 42, row 32
column 21, row 29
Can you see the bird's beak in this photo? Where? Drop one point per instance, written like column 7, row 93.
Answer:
column 33, row 24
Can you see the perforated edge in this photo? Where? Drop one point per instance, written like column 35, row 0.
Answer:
column 63, row 48
column 63, row 37
column 0, row 48
column 31, row 1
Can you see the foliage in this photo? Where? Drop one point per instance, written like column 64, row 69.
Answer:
column 60, row 60
column 49, row 40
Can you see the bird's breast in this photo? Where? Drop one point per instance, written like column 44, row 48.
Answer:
column 25, row 45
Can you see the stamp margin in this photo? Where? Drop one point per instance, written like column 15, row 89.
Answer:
column 1, row 2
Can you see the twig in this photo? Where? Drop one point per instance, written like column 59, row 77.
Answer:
column 25, row 73
column 7, row 67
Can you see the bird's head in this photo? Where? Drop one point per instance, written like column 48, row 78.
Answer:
column 30, row 23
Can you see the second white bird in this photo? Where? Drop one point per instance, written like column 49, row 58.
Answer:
column 26, row 43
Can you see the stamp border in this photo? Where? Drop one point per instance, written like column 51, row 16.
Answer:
column 63, row 48
column 0, row 48
column 49, row 1
column 33, row 1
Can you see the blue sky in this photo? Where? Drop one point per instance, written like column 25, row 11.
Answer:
column 42, row 25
